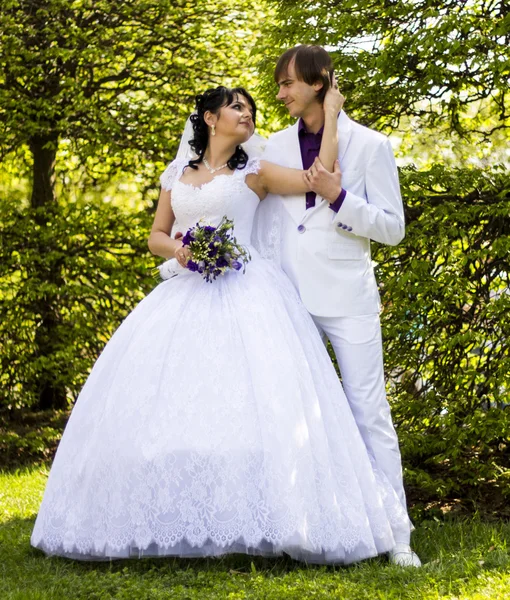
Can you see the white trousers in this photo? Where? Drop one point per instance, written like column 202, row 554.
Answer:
column 357, row 343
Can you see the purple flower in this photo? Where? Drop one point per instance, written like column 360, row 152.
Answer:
column 215, row 249
column 221, row 262
column 188, row 238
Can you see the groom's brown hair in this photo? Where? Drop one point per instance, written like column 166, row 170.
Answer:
column 312, row 64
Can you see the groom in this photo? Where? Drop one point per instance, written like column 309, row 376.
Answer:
column 326, row 247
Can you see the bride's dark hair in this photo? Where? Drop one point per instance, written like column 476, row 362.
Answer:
column 212, row 100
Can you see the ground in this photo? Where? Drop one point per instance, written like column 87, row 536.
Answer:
column 464, row 559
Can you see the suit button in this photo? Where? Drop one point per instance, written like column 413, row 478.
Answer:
column 344, row 226
column 301, row 228
column 349, row 229
column 339, row 224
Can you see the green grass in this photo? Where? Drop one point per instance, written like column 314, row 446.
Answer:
column 464, row 559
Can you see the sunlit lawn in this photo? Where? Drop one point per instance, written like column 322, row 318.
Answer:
column 464, row 559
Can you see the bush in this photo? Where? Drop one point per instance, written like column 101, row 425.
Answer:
column 446, row 326
column 446, row 297
column 69, row 275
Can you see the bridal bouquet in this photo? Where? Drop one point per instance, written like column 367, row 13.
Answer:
column 214, row 251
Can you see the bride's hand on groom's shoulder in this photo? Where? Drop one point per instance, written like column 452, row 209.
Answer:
column 334, row 100
column 322, row 182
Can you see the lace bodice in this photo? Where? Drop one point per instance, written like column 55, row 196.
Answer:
column 225, row 195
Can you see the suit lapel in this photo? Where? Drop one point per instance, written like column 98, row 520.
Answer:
column 344, row 135
column 296, row 205
column 344, row 127
column 319, row 203
column 294, row 150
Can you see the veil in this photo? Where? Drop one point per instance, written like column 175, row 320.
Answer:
column 268, row 220
column 254, row 147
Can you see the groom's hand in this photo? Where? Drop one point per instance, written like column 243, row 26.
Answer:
column 322, row 182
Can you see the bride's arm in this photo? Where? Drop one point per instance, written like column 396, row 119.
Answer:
column 276, row 179
column 160, row 243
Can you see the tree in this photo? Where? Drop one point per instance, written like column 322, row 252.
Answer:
column 114, row 75
column 114, row 79
column 394, row 58
column 446, row 298
column 439, row 70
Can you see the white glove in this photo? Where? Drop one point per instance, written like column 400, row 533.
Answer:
column 170, row 268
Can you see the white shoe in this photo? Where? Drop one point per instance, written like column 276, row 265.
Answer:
column 403, row 556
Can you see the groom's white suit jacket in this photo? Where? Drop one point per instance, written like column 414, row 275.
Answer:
column 327, row 254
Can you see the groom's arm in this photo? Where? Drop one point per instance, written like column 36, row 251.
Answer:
column 380, row 216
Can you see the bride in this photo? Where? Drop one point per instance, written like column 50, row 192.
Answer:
column 213, row 421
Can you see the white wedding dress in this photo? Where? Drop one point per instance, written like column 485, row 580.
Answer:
column 214, row 422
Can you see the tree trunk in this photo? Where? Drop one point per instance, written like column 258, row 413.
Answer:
column 51, row 395
column 43, row 190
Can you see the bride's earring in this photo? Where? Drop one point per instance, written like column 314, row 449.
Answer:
column 213, row 129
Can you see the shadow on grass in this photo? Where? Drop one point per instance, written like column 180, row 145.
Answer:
column 15, row 536
column 461, row 557
column 30, row 438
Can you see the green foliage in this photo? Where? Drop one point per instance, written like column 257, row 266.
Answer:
column 115, row 79
column 30, row 437
column 84, row 268
column 466, row 559
column 439, row 69
column 446, row 318
column 432, row 60
column 102, row 88
column 445, row 292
